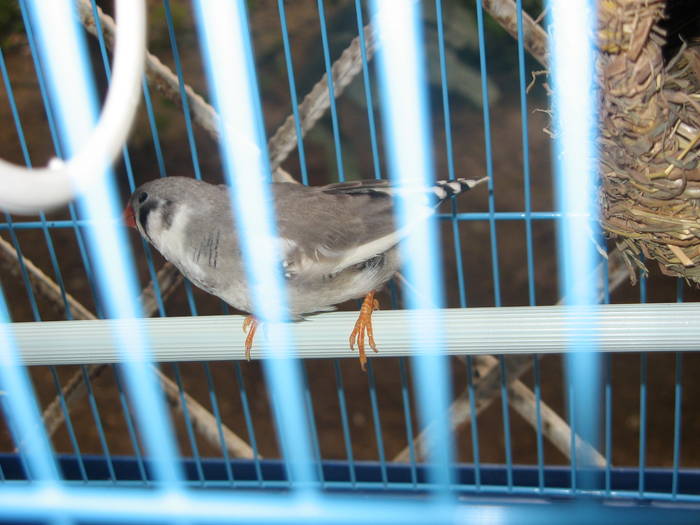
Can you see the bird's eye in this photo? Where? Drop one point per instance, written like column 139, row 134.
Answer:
column 142, row 197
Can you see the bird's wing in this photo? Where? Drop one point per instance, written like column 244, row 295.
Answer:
column 359, row 186
column 327, row 229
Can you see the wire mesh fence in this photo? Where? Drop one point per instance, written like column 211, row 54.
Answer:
column 509, row 416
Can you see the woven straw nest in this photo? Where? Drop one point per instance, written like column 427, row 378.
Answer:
column 650, row 129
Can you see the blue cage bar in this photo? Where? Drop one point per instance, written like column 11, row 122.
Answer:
column 169, row 460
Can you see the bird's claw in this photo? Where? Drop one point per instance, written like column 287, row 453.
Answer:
column 363, row 327
column 250, row 325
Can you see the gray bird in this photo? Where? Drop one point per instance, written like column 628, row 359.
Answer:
column 338, row 242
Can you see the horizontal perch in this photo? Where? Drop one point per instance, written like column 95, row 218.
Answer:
column 513, row 330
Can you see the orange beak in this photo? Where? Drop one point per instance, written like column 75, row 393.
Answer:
column 128, row 216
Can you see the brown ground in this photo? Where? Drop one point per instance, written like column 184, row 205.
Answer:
column 469, row 158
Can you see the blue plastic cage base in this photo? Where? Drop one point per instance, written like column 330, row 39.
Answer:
column 260, row 490
column 374, row 477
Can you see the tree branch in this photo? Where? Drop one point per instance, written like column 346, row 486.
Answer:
column 522, row 400
column 75, row 388
column 317, row 101
column 505, row 12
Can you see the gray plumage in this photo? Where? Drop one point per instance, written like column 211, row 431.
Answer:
column 338, row 242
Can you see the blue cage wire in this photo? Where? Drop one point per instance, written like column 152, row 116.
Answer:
column 85, row 433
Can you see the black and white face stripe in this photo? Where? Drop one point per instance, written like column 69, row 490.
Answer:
column 144, row 211
column 165, row 208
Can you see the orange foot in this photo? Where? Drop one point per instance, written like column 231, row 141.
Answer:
column 363, row 326
column 250, row 325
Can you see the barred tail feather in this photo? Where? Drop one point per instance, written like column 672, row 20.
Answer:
column 444, row 189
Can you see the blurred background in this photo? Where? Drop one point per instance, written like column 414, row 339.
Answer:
column 181, row 154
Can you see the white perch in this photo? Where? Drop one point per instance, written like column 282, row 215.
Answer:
column 515, row 330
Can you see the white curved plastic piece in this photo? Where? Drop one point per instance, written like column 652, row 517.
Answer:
column 30, row 191
column 509, row 330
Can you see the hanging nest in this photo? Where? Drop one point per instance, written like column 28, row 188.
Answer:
column 650, row 129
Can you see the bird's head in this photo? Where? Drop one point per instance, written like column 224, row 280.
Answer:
column 152, row 207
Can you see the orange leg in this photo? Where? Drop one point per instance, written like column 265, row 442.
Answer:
column 363, row 326
column 250, row 325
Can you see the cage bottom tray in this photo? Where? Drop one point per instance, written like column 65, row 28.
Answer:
column 486, row 480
